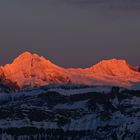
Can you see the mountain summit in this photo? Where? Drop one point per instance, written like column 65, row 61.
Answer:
column 31, row 70
column 113, row 67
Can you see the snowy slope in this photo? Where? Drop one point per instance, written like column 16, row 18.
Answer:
column 31, row 70
column 91, row 115
column 107, row 72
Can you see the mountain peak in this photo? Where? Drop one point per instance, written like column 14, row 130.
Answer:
column 113, row 67
column 26, row 53
column 26, row 56
column 30, row 70
column 114, row 60
column 29, row 60
column 112, row 63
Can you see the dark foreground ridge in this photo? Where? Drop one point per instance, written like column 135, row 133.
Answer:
column 49, row 114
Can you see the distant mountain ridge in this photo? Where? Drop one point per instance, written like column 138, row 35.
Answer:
column 31, row 70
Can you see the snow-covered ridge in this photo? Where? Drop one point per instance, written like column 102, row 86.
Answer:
column 31, row 70
column 102, row 111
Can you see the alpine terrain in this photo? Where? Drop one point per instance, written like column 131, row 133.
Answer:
column 31, row 70
column 40, row 100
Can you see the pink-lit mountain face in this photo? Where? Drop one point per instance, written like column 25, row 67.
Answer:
column 31, row 70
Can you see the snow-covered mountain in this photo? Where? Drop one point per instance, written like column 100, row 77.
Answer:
column 31, row 70
column 52, row 102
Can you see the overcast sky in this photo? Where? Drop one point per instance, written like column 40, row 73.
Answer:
column 71, row 33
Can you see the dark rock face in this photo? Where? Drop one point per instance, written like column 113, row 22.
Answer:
column 9, row 87
column 88, row 116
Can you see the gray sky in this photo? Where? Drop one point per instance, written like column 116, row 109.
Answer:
column 72, row 33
